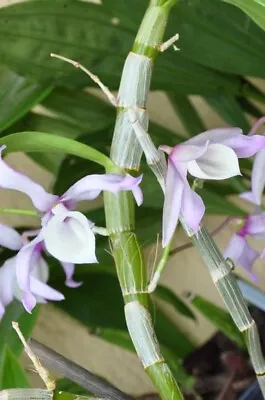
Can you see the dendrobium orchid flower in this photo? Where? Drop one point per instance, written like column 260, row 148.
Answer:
column 66, row 234
column 210, row 155
column 238, row 248
column 38, row 276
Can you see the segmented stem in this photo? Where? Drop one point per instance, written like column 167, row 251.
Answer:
column 226, row 284
column 126, row 153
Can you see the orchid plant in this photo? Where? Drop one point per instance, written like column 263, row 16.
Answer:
column 69, row 236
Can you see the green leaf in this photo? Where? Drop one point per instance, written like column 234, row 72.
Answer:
column 187, row 113
column 16, row 312
column 226, row 39
column 254, row 8
column 41, row 142
column 12, row 375
column 41, row 123
column 170, row 297
column 80, row 109
column 85, row 305
column 17, row 96
column 219, row 318
column 230, row 110
column 71, row 28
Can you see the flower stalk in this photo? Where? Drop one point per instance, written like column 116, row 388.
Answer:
column 226, row 284
column 126, row 152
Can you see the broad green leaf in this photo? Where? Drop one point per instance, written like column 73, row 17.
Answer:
column 122, row 339
column 41, row 123
column 41, row 142
column 85, row 305
column 187, row 113
column 12, row 375
column 219, row 318
column 17, row 96
column 81, row 109
column 170, row 297
column 226, row 39
column 71, row 29
column 254, row 8
column 16, row 312
column 229, row 109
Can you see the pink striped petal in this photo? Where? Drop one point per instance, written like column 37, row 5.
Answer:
column 12, row 179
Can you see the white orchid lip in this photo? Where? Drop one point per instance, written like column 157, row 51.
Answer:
column 68, row 236
column 218, row 162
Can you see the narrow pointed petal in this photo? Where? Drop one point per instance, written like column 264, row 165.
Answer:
column 12, row 179
column 24, row 265
column 89, row 187
column 69, row 269
column 235, row 248
column 29, row 301
column 172, row 202
column 7, row 280
column 246, row 146
column 192, row 208
column 138, row 195
column 185, row 152
column 219, row 162
column 257, row 180
column 255, row 225
column 2, row 309
column 10, row 238
column 217, row 135
column 242, row 254
column 69, row 237
column 243, row 145
column 43, row 290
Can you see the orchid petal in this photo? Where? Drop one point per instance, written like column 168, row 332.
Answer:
column 29, row 301
column 24, row 265
column 138, row 195
column 89, row 187
column 43, row 290
column 2, row 310
column 246, row 146
column 69, row 237
column 10, row 238
column 192, row 208
column 219, row 162
column 7, row 280
column 69, row 269
column 172, row 202
column 235, row 248
column 243, row 145
column 217, row 135
column 185, row 152
column 242, row 254
column 12, row 179
column 257, row 180
column 255, row 225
